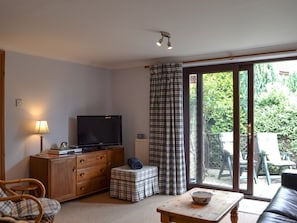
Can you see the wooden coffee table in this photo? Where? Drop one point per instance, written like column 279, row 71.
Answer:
column 181, row 209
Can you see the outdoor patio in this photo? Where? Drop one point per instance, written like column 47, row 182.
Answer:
column 217, row 157
column 261, row 188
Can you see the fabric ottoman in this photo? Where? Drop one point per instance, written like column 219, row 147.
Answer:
column 134, row 185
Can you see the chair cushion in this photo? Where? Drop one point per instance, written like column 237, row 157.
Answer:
column 5, row 206
column 11, row 220
column 28, row 209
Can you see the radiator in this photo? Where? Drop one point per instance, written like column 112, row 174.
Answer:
column 142, row 150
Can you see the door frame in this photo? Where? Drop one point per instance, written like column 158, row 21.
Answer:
column 2, row 135
column 250, row 126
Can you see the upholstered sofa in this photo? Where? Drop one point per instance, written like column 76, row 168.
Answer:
column 283, row 206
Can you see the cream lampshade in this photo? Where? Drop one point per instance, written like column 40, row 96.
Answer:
column 41, row 127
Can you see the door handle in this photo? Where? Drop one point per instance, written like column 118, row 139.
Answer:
column 249, row 131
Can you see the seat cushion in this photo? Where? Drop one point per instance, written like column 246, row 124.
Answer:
column 284, row 203
column 268, row 217
column 125, row 173
column 5, row 206
column 28, row 209
column 4, row 219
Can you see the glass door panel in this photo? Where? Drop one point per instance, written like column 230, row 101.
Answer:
column 210, row 125
column 275, row 98
column 245, row 130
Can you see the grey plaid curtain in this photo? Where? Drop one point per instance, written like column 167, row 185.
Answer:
column 166, row 148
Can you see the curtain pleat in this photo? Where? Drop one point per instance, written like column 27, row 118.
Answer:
column 166, row 148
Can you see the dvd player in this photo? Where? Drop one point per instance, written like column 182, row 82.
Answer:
column 64, row 151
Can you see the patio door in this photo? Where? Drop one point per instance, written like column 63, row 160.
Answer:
column 219, row 126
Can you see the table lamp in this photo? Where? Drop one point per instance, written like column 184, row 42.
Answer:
column 41, row 128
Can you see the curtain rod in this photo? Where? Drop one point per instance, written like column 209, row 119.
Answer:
column 235, row 57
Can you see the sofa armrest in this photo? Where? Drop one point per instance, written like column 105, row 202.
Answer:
column 289, row 178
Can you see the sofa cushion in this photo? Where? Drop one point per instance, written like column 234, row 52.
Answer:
column 284, row 203
column 289, row 178
column 269, row 217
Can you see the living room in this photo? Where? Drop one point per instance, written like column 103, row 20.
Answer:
column 55, row 81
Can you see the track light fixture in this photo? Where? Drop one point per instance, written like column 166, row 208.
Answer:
column 159, row 43
column 166, row 35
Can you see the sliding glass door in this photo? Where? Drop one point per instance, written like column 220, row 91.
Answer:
column 227, row 109
column 218, row 127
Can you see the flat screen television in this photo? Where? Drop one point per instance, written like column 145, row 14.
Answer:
column 99, row 130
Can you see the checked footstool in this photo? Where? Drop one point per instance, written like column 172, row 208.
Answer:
column 134, row 185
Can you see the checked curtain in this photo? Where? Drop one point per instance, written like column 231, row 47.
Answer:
column 166, row 148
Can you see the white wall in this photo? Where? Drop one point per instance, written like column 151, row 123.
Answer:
column 59, row 91
column 53, row 90
column 131, row 100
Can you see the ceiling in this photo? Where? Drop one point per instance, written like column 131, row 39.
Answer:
column 122, row 33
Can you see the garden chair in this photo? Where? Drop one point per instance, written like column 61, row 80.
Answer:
column 270, row 155
column 226, row 139
column 24, row 206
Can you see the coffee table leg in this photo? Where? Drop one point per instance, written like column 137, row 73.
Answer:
column 234, row 215
column 164, row 218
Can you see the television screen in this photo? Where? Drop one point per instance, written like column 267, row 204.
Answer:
column 99, row 130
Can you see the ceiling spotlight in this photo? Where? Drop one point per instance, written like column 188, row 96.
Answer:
column 169, row 46
column 159, row 43
column 166, row 35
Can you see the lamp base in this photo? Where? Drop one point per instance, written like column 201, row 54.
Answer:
column 41, row 143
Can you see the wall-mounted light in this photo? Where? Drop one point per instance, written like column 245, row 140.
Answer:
column 166, row 35
column 41, row 127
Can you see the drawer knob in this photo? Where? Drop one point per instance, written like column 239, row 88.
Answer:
column 82, row 161
column 82, row 174
column 100, row 158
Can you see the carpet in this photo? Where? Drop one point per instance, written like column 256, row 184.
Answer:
column 102, row 208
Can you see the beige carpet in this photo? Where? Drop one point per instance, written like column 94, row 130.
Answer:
column 101, row 208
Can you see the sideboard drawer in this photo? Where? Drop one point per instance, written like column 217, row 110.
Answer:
column 91, row 172
column 85, row 160
column 92, row 185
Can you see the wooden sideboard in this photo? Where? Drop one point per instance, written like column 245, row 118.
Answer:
column 67, row 177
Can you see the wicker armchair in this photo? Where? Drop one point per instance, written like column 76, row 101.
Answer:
column 26, row 206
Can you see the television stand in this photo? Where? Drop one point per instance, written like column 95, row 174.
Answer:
column 70, row 176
